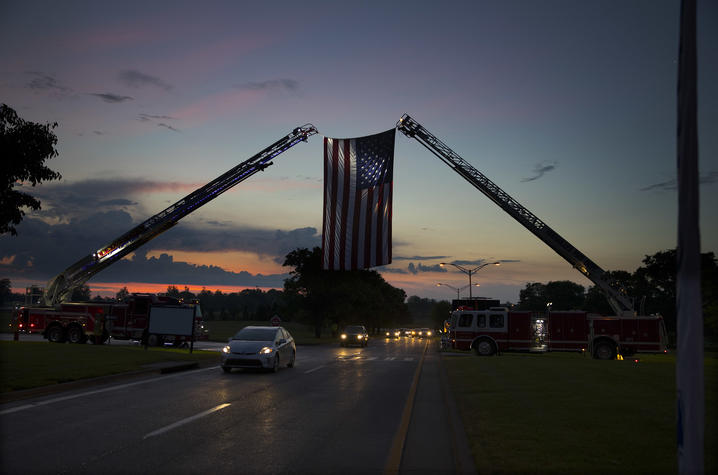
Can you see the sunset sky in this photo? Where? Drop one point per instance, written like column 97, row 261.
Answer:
column 569, row 106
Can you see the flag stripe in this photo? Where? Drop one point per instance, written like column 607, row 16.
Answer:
column 327, row 201
column 368, row 227
column 346, row 171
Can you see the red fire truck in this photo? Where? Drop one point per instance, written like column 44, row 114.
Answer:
column 59, row 320
column 78, row 322
column 497, row 329
column 494, row 329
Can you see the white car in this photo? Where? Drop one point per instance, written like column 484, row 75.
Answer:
column 259, row 347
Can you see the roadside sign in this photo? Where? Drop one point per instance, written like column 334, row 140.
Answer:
column 275, row 321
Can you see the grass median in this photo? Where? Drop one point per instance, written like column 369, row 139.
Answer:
column 26, row 365
column 564, row 413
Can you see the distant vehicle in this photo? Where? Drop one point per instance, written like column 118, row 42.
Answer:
column 395, row 333
column 409, row 332
column 259, row 348
column 424, row 333
column 354, row 335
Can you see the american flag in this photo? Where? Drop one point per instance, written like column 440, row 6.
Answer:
column 358, row 185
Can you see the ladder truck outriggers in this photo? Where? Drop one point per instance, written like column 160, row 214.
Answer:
column 59, row 320
column 496, row 329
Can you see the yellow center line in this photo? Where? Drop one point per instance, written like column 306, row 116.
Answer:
column 397, row 446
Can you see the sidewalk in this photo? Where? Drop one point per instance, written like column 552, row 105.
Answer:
column 436, row 442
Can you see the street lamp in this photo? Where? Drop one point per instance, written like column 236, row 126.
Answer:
column 458, row 290
column 470, row 272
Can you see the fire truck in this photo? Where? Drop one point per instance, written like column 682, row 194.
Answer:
column 60, row 320
column 496, row 329
column 489, row 331
column 78, row 322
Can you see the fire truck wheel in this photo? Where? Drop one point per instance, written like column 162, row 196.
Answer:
column 75, row 334
column 56, row 334
column 604, row 351
column 484, row 348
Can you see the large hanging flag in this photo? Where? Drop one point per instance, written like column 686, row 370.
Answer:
column 358, row 185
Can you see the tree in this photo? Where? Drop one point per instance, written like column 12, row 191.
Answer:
column 5, row 290
column 565, row 294
column 122, row 294
column 80, row 294
column 321, row 297
column 533, row 297
column 24, row 146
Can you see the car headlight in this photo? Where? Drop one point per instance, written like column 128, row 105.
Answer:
column 387, row 333
column 265, row 351
column 344, row 336
column 226, row 349
column 428, row 333
column 359, row 337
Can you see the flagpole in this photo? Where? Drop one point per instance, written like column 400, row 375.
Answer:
column 689, row 359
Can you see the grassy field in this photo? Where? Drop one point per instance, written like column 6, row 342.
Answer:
column 564, row 413
column 25, row 365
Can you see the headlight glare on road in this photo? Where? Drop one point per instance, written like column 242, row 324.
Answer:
column 226, row 349
column 265, row 351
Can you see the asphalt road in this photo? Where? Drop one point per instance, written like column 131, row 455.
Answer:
column 337, row 411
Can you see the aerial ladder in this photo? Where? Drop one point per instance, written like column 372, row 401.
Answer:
column 60, row 287
column 620, row 303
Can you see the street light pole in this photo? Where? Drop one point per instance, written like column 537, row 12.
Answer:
column 458, row 290
column 470, row 272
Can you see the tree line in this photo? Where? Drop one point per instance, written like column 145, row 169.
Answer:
column 327, row 299
column 652, row 287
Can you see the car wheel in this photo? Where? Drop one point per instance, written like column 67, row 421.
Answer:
column 55, row 334
column 75, row 334
column 226, row 369
column 605, row 351
column 291, row 361
column 275, row 366
column 484, row 348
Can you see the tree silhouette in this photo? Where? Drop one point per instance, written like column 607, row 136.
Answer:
column 24, row 146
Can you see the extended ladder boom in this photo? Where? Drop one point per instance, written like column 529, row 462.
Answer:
column 620, row 304
column 61, row 286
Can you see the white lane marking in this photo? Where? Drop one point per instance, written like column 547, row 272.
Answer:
column 314, row 369
column 185, row 421
column 390, row 358
column 371, row 358
column 98, row 391
column 409, row 359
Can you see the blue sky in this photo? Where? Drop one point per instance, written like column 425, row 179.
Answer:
column 568, row 106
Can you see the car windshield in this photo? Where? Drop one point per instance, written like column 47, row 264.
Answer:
column 354, row 329
column 256, row 334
